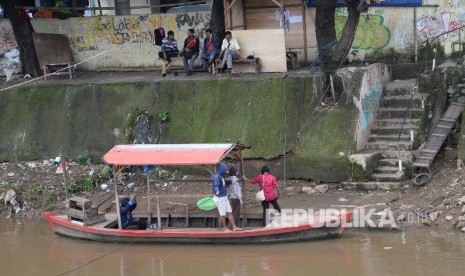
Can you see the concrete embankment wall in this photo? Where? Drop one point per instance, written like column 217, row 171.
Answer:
column 36, row 121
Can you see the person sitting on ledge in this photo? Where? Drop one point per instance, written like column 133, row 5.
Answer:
column 230, row 50
column 190, row 52
column 169, row 51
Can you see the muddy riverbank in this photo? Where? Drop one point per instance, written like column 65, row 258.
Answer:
column 438, row 205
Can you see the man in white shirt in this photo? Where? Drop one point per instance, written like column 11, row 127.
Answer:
column 230, row 50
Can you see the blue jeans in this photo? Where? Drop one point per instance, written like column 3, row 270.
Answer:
column 207, row 58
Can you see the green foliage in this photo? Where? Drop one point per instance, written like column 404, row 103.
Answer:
column 168, row 175
column 62, row 11
column 105, row 173
column 73, row 187
column 36, row 190
column 427, row 51
column 4, row 187
column 89, row 184
column 48, row 204
column 163, row 116
column 82, row 158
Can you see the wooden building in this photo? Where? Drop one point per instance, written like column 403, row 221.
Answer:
column 293, row 16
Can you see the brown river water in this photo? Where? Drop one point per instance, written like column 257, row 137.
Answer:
column 30, row 248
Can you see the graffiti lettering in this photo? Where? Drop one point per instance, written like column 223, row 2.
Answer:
column 371, row 32
column 7, row 39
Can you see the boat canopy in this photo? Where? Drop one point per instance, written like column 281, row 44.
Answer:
column 170, row 154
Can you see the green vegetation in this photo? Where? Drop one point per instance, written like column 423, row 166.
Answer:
column 83, row 158
column 428, row 51
column 62, row 11
column 163, row 116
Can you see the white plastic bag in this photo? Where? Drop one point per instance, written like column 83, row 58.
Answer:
column 260, row 196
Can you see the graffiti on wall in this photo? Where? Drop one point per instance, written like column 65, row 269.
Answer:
column 90, row 34
column 7, row 39
column 371, row 32
column 434, row 25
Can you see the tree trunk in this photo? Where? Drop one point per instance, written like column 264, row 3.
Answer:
column 23, row 34
column 332, row 52
column 217, row 18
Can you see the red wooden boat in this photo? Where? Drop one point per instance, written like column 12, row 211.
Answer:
column 186, row 227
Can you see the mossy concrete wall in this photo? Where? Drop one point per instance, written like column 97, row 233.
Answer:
column 36, row 122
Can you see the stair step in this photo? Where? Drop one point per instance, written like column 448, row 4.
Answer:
column 372, row 185
column 414, row 113
column 394, row 154
column 402, row 145
column 393, row 162
column 397, row 122
column 400, row 87
column 401, row 101
column 393, row 137
column 388, row 177
column 395, row 130
column 387, row 169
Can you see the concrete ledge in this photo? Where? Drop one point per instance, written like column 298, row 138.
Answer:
column 370, row 186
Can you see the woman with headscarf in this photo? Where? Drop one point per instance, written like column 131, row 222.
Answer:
column 269, row 185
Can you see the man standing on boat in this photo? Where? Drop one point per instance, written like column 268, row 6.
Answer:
column 220, row 197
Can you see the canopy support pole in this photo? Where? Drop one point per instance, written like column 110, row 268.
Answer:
column 158, row 213
column 244, row 221
column 116, row 197
column 149, row 209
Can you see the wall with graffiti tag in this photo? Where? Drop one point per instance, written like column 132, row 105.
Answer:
column 129, row 39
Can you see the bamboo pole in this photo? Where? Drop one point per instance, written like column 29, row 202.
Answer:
column 304, row 21
column 244, row 221
column 65, row 175
column 158, row 213
column 120, row 226
column 149, row 209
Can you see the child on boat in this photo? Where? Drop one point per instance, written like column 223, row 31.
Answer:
column 220, row 197
column 236, row 194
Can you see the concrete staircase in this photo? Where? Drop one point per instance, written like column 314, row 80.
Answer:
column 385, row 134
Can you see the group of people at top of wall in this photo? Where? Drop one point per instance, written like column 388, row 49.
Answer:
column 211, row 52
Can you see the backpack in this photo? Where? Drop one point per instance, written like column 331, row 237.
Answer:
column 159, row 34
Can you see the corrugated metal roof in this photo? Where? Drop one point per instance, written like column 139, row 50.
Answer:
column 167, row 154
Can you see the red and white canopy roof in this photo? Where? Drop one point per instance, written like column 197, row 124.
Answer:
column 168, row 154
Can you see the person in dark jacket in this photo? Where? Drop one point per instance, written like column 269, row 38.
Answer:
column 211, row 49
column 191, row 51
column 220, row 197
column 126, row 207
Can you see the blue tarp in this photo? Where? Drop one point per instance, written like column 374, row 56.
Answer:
column 385, row 3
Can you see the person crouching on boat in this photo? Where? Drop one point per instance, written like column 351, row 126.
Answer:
column 220, row 197
column 126, row 207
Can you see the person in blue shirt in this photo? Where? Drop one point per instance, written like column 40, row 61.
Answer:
column 126, row 207
column 211, row 50
column 220, row 197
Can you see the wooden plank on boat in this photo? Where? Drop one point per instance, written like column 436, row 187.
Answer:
column 95, row 219
column 79, row 203
column 82, row 214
